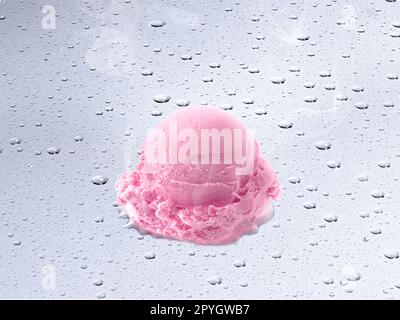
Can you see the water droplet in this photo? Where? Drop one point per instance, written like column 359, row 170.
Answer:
column 294, row 180
column 53, row 150
column 161, row 98
column 278, row 80
column 99, row 180
column 388, row 104
column 261, row 111
column 214, row 280
column 303, row 37
column 156, row 113
column 325, row 74
column 310, row 205
column 97, row 282
column 214, row 65
column 310, row 99
column 226, row 106
column 323, row 145
column 239, row 263
column 361, row 105
column 392, row 254
column 333, row 164
column 186, row 57
column 15, row 141
column 330, row 218
column 350, row 273
column 384, row 164
column 376, row 231
column 150, row 255
column 182, row 102
column 377, row 194
column 157, row 23
column 285, row 124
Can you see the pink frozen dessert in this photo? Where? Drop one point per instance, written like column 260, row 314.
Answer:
column 200, row 178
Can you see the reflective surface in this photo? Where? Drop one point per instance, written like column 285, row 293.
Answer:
column 318, row 83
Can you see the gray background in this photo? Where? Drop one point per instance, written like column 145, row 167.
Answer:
column 83, row 81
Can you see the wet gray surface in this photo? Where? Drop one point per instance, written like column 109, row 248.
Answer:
column 316, row 80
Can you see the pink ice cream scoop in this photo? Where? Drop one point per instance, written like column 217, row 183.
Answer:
column 200, row 178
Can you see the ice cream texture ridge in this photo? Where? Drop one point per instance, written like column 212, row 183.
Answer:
column 186, row 198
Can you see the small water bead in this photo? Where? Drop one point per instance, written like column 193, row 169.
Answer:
column 388, row 104
column 309, row 85
column 248, row 101
column 357, row 88
column 341, row 97
column 254, row 70
column 384, row 164
column 294, row 69
column 294, row 180
column 150, row 255
column 99, row 180
column 323, row 145
column 97, row 282
column 157, row 23
column 351, row 273
column 276, row 255
column 260, row 111
column 214, row 280
column 377, row 194
column 278, row 80
column 78, row 138
column 303, row 37
column 146, row 72
column 156, row 113
column 333, row 164
column 182, row 102
column 207, row 79
column 310, row 205
column 364, row 215
column 186, row 57
column 285, row 124
column 330, row 87
column 361, row 105
column 328, row 281
column 362, row 178
column 15, row 141
column 161, row 98
column 376, row 231
column 325, row 74
column 330, row 218
column 392, row 254
column 239, row 263
column 310, row 99
column 392, row 76
column 214, row 65
column 53, row 150
column 226, row 106
column 312, row 188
